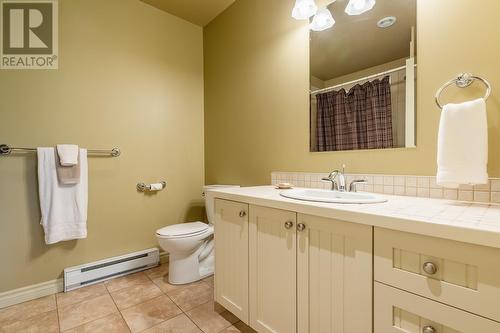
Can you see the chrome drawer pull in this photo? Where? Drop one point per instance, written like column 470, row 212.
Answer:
column 428, row 329
column 243, row 213
column 430, row 268
column 288, row 224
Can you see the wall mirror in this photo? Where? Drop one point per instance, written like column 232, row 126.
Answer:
column 363, row 78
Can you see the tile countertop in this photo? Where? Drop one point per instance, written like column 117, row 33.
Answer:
column 468, row 222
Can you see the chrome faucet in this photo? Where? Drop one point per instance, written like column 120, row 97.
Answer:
column 338, row 180
column 354, row 183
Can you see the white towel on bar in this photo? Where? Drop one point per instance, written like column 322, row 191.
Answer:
column 463, row 144
column 68, row 154
column 63, row 207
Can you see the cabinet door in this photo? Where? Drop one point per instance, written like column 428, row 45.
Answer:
column 231, row 257
column 272, row 270
column 334, row 276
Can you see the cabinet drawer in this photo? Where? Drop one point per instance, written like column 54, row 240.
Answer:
column 466, row 276
column 397, row 311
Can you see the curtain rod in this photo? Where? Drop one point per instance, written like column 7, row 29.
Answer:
column 357, row 80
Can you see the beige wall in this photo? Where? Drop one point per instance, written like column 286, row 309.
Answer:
column 262, row 123
column 129, row 76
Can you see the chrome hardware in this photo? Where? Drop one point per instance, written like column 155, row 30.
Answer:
column 463, row 80
column 354, row 183
column 428, row 329
column 243, row 213
column 288, row 224
column 7, row 150
column 337, row 179
column 142, row 187
column 301, row 227
column 430, row 268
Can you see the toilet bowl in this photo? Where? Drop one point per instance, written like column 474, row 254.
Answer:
column 190, row 246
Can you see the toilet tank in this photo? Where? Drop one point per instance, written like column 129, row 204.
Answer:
column 209, row 201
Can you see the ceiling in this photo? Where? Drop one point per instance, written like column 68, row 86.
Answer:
column 355, row 42
column 199, row 12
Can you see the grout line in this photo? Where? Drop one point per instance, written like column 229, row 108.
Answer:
column 119, row 311
column 57, row 313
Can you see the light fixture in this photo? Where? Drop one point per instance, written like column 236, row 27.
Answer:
column 304, row 9
column 322, row 20
column 358, row 7
column 386, row 22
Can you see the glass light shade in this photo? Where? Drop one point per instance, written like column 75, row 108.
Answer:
column 322, row 20
column 358, row 7
column 304, row 9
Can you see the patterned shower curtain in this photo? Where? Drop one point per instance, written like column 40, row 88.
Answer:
column 358, row 119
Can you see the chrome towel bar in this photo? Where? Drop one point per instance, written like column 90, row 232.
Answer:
column 463, row 80
column 6, row 150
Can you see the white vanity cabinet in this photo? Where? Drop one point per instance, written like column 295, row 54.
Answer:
column 334, row 276
column 231, row 251
column 312, row 268
column 273, row 270
column 307, row 274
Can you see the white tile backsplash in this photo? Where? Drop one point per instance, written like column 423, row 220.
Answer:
column 421, row 186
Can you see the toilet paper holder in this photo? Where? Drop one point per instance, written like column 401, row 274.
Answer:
column 143, row 187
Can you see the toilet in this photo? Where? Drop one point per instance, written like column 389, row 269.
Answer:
column 190, row 246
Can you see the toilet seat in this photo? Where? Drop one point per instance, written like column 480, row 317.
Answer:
column 182, row 230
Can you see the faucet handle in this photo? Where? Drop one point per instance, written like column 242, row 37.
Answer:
column 354, row 183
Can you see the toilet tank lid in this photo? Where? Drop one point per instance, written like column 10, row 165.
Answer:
column 182, row 229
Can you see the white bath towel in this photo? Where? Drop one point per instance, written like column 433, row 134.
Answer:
column 63, row 207
column 463, row 144
column 68, row 154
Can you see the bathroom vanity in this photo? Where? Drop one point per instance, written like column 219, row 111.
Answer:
column 407, row 265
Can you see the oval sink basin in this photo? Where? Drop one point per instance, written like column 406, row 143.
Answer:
column 319, row 195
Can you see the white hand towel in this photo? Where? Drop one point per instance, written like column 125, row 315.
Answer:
column 68, row 154
column 63, row 207
column 463, row 144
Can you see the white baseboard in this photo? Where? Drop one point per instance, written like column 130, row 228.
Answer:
column 29, row 293
column 34, row 291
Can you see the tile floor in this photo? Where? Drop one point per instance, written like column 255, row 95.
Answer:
column 141, row 302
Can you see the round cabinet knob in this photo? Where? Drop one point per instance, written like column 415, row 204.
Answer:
column 243, row 213
column 288, row 224
column 431, row 269
column 301, row 226
column 428, row 329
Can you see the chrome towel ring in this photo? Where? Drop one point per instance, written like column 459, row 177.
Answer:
column 463, row 80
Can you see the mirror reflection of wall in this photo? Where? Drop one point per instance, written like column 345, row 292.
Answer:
column 363, row 78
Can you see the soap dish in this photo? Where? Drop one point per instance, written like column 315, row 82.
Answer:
column 284, row 186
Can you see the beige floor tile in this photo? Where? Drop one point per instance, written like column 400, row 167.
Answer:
column 166, row 287
column 157, row 272
column 150, row 313
column 109, row 324
column 26, row 310
column 239, row 327
column 79, row 295
column 212, row 318
column 41, row 323
column 137, row 294
column 179, row 324
column 209, row 280
column 126, row 281
column 192, row 296
column 84, row 312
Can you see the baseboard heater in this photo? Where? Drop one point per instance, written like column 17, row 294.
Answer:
column 102, row 270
